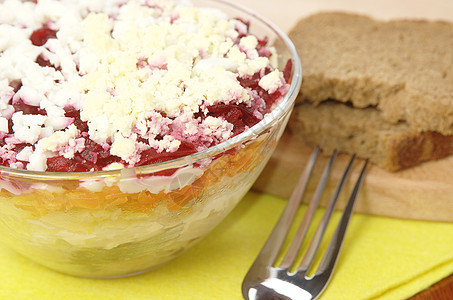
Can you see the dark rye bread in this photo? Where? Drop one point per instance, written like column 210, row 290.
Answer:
column 363, row 131
column 402, row 67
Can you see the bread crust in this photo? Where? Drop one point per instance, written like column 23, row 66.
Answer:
column 364, row 131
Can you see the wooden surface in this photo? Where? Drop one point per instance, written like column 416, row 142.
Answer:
column 421, row 193
column 443, row 290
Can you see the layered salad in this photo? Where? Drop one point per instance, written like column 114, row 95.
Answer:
column 104, row 85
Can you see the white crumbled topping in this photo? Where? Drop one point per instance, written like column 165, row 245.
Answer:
column 178, row 88
column 37, row 161
column 28, row 128
column 205, row 65
column 25, row 154
column 168, row 143
column 227, row 88
column 271, row 82
column 120, row 62
column 236, row 55
column 58, row 139
column 6, row 93
column 251, row 67
column 55, row 117
column 218, row 128
column 249, row 42
column 26, row 15
column 122, row 147
column 10, row 36
column 3, row 124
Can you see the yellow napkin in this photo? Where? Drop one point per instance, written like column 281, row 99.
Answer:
column 381, row 258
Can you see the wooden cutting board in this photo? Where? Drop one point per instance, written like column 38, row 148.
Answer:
column 424, row 192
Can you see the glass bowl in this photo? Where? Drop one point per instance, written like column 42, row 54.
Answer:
column 118, row 223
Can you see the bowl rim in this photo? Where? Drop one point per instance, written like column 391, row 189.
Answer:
column 269, row 119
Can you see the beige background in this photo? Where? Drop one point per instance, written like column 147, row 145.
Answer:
column 285, row 13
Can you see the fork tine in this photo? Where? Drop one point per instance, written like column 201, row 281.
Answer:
column 293, row 249
column 330, row 257
column 264, row 280
column 314, row 245
column 273, row 244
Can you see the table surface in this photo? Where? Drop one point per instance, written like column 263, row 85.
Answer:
column 439, row 291
column 285, row 14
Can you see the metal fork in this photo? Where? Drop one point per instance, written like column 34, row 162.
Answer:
column 266, row 281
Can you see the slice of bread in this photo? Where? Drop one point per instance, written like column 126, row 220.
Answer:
column 404, row 68
column 363, row 131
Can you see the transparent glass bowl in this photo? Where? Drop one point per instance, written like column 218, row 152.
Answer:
column 119, row 223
